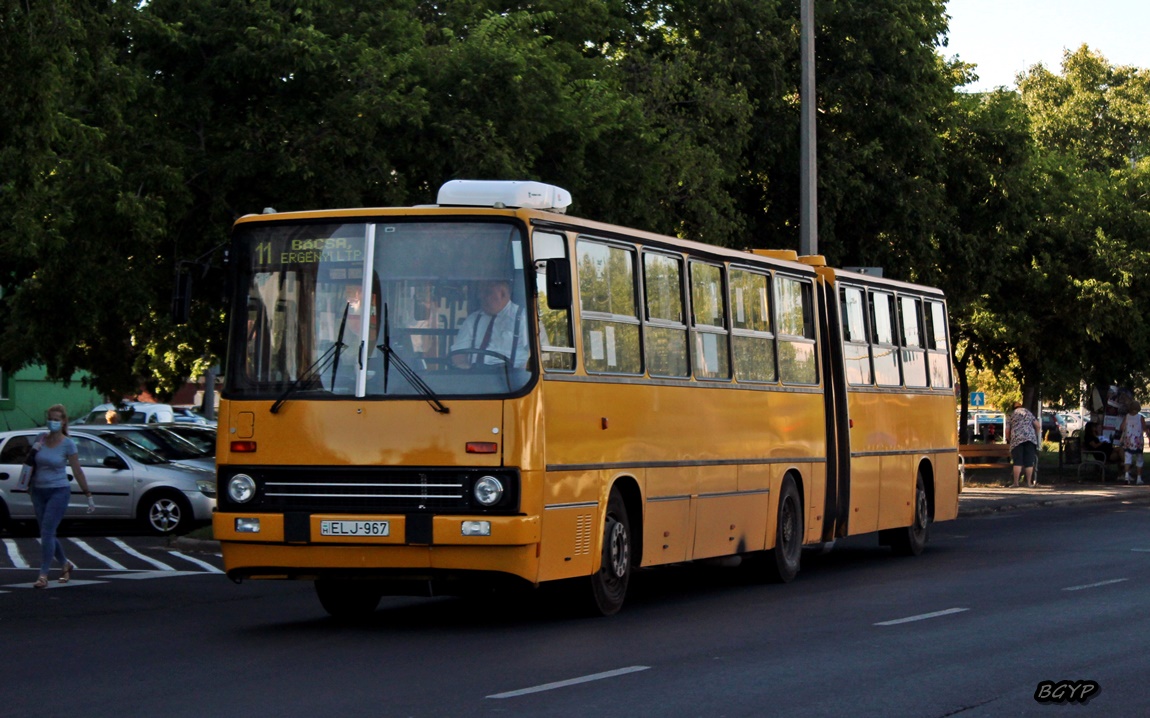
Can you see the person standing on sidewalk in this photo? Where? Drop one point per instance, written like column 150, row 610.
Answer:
column 1022, row 434
column 1133, row 432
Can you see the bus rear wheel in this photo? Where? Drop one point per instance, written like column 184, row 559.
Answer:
column 347, row 600
column 609, row 583
column 782, row 562
column 911, row 541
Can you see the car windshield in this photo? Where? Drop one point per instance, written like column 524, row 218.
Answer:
column 380, row 310
column 205, row 441
column 132, row 449
column 161, row 442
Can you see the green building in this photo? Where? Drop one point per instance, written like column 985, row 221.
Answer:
column 26, row 394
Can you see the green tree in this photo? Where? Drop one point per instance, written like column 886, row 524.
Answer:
column 80, row 214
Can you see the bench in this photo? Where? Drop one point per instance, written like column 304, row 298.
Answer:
column 982, row 456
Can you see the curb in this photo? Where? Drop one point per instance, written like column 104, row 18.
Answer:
column 992, row 504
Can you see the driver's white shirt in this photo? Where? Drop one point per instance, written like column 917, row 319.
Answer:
column 474, row 328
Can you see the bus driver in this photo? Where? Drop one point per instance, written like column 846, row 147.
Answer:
column 499, row 328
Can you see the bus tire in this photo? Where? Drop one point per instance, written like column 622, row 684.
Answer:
column 782, row 562
column 347, row 600
column 609, row 583
column 911, row 541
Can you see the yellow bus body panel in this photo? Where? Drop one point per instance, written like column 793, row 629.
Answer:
column 891, row 437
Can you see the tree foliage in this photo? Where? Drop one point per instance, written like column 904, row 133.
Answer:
column 151, row 127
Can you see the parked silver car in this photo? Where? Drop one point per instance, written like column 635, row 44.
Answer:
column 127, row 482
column 158, row 440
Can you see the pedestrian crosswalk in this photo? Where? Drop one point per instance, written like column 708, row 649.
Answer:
column 104, row 558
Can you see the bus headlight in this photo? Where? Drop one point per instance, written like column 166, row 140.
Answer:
column 241, row 488
column 488, row 490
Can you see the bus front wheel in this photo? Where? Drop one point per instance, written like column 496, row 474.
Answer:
column 609, row 583
column 347, row 600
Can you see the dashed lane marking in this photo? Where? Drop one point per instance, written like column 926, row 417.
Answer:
column 921, row 617
column 570, row 682
column 1095, row 585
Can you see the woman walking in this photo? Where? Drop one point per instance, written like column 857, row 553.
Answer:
column 55, row 453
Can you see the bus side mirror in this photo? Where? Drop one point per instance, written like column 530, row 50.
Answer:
column 558, row 283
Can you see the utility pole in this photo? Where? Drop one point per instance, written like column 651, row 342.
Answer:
column 808, row 168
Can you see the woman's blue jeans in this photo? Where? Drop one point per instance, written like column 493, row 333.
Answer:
column 50, row 505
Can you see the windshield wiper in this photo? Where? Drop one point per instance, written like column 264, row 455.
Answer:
column 413, row 377
column 329, row 357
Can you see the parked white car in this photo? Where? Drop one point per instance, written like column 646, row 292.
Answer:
column 127, row 482
column 136, row 412
column 1074, row 421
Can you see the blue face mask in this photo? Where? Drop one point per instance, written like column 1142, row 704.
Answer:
column 54, row 425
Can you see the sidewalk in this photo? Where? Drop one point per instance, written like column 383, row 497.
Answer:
column 990, row 499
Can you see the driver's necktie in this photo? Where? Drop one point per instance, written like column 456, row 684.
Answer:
column 487, row 334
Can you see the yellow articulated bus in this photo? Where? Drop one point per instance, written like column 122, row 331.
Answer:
column 424, row 400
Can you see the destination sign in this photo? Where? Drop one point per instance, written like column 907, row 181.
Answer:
column 270, row 253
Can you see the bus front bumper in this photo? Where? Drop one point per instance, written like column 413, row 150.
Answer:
column 310, row 546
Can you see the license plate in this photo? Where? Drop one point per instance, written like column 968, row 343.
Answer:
column 354, row 528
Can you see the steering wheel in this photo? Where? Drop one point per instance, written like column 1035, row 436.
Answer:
column 504, row 359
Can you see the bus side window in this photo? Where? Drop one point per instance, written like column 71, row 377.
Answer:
column 797, row 360
column 709, row 322
column 753, row 344
column 913, row 354
column 856, row 348
column 556, row 346
column 883, row 346
column 609, row 311
column 665, row 336
column 938, row 353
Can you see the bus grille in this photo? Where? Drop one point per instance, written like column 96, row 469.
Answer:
column 371, row 490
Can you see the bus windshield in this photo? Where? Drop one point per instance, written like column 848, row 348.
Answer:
column 398, row 308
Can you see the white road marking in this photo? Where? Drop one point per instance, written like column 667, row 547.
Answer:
column 14, row 554
column 55, row 584
column 570, row 682
column 134, row 575
column 1140, row 550
column 207, row 566
column 1095, row 585
column 109, row 562
column 129, row 550
column 921, row 617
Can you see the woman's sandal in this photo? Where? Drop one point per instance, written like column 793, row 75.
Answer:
column 66, row 574
column 41, row 582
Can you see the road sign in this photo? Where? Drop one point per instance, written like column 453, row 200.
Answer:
column 977, row 398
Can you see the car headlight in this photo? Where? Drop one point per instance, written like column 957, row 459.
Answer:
column 488, row 490
column 207, row 488
column 241, row 488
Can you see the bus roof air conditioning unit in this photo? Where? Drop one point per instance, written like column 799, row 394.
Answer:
column 504, row 194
